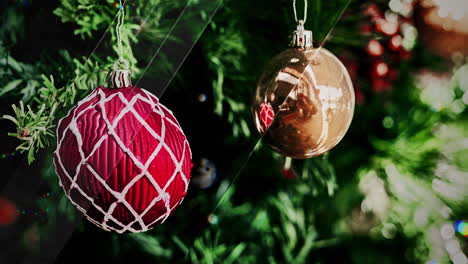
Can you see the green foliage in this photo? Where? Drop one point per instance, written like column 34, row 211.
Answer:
column 418, row 153
column 296, row 232
column 325, row 16
column 225, row 56
column 319, row 175
column 90, row 15
column 151, row 245
column 225, row 53
column 35, row 127
column 422, row 179
column 208, row 250
column 11, row 29
column 21, row 79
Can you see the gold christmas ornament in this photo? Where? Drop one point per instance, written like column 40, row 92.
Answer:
column 304, row 101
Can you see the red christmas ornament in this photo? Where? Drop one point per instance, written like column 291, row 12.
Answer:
column 288, row 174
column 286, row 168
column 266, row 115
column 7, row 212
column 122, row 158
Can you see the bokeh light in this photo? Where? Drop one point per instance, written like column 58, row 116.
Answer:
column 461, row 227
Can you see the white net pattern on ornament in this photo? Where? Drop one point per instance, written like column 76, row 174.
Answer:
column 120, row 196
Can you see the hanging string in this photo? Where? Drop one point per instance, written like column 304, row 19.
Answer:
column 305, row 12
column 118, row 31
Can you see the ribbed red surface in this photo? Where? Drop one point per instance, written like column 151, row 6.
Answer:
column 117, row 157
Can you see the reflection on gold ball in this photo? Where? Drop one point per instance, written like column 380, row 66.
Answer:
column 312, row 98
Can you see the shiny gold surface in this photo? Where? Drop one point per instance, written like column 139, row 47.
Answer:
column 312, row 97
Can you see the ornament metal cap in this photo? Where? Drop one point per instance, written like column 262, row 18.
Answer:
column 121, row 78
column 301, row 38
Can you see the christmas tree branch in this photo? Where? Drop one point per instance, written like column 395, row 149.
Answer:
column 21, row 79
column 35, row 122
column 226, row 64
column 33, row 127
column 90, row 15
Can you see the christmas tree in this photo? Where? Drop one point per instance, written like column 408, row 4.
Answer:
column 394, row 190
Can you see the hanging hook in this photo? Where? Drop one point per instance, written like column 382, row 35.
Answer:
column 305, row 12
column 118, row 28
column 120, row 76
column 301, row 38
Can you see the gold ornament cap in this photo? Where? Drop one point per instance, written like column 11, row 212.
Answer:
column 301, row 38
